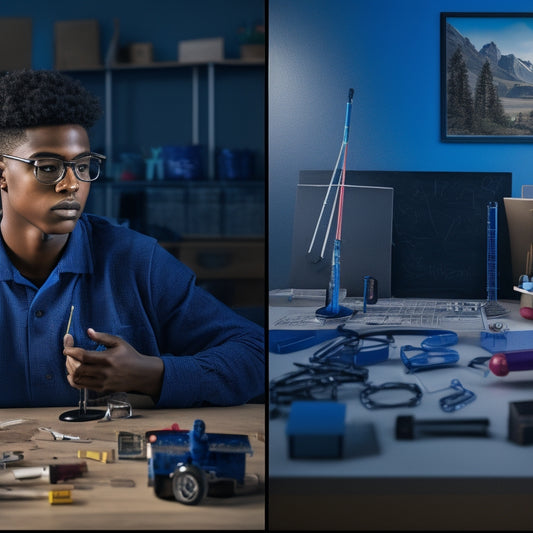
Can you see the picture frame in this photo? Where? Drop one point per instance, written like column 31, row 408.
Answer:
column 486, row 77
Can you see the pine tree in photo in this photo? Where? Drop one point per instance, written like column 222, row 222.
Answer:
column 460, row 104
column 488, row 109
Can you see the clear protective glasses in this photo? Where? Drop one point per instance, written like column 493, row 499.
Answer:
column 51, row 170
column 118, row 409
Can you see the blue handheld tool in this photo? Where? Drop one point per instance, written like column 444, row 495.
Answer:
column 290, row 340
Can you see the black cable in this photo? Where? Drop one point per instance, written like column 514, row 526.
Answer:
column 311, row 379
column 372, row 389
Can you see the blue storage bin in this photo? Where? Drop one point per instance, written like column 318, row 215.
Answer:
column 183, row 162
column 235, row 164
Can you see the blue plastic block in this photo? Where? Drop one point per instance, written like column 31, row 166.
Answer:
column 506, row 341
column 315, row 430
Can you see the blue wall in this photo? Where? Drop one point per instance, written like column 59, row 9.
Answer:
column 162, row 22
column 153, row 107
column 389, row 52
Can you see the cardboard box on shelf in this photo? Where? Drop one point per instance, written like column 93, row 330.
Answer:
column 77, row 44
column 15, row 43
column 197, row 50
column 141, row 53
column 252, row 51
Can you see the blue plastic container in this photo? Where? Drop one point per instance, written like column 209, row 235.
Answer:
column 235, row 164
column 182, row 162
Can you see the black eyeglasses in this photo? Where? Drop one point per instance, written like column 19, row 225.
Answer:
column 51, row 170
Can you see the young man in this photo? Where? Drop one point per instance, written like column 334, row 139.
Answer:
column 136, row 320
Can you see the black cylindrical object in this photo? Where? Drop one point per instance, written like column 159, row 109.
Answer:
column 407, row 428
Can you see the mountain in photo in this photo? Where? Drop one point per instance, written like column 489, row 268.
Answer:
column 509, row 72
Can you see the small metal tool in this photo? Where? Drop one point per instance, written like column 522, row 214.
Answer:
column 61, row 436
column 9, row 457
column 82, row 414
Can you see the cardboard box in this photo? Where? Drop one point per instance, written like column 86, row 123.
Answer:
column 253, row 51
column 15, row 43
column 77, row 44
column 200, row 50
column 141, row 53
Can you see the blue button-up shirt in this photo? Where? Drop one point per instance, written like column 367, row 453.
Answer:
column 124, row 283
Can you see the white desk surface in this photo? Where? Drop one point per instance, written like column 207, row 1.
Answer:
column 371, row 449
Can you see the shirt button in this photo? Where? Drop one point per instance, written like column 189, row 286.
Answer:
column 39, row 313
column 48, row 376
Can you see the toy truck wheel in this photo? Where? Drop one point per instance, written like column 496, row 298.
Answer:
column 189, row 484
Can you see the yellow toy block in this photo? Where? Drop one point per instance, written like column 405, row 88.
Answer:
column 59, row 496
column 107, row 456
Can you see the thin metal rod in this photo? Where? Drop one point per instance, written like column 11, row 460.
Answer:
column 332, row 308
column 345, row 144
column 341, row 198
column 195, row 106
column 69, row 319
column 343, row 148
column 82, row 403
column 325, row 201
column 211, row 120
column 324, row 243
column 83, row 400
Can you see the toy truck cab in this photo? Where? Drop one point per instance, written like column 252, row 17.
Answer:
column 188, row 465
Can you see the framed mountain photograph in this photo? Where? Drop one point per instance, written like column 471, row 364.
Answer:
column 486, row 77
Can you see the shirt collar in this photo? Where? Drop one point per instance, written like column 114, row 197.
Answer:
column 77, row 257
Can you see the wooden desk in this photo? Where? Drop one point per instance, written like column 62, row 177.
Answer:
column 102, row 506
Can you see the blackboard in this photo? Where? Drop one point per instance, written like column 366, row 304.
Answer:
column 439, row 231
column 366, row 239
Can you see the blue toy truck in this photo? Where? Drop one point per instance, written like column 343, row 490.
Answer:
column 189, row 465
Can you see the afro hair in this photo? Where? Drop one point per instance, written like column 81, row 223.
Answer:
column 34, row 98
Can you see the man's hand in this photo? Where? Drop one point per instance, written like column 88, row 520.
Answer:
column 116, row 368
